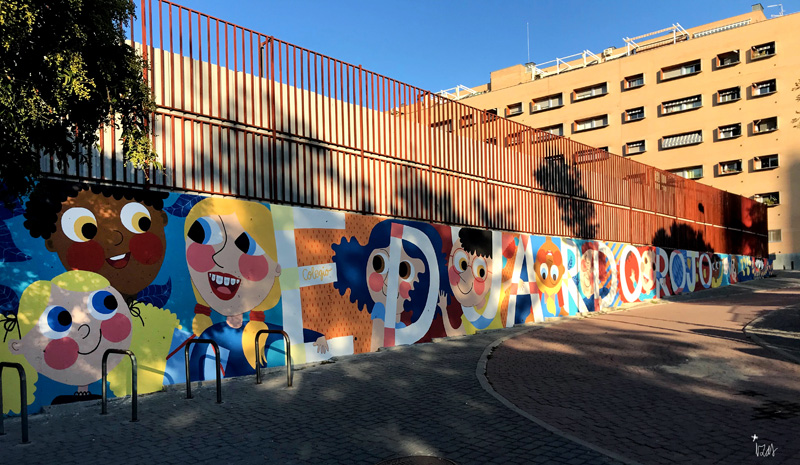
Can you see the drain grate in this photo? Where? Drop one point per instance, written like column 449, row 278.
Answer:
column 418, row 460
column 776, row 410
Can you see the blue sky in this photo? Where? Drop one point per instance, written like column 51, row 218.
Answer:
column 438, row 44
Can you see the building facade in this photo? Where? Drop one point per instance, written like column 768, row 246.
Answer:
column 714, row 103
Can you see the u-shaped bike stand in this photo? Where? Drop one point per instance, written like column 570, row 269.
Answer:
column 188, row 378
column 288, row 355
column 23, row 399
column 134, row 383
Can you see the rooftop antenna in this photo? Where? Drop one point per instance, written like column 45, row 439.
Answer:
column 776, row 5
column 528, row 33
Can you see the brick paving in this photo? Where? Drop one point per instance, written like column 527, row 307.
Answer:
column 416, row 400
column 671, row 383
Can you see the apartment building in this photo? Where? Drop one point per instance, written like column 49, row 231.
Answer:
column 714, row 103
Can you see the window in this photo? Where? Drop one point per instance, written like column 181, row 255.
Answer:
column 446, row 125
column 685, row 104
column 730, row 167
column 467, row 120
column 632, row 82
column 592, row 91
column 730, row 131
column 514, row 139
column 765, row 162
column 764, row 88
column 774, row 235
column 769, row 199
column 591, row 123
column 685, row 69
column 557, row 158
column 680, row 140
column 632, row 148
column 546, row 103
column 727, row 59
column 490, row 115
column 634, row 114
column 758, row 52
column 692, row 172
column 729, row 95
column 548, row 133
column 590, row 155
column 761, row 126
column 514, row 109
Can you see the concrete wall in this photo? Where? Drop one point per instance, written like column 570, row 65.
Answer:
column 86, row 268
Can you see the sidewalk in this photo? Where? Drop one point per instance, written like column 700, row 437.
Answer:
column 676, row 382
column 415, row 400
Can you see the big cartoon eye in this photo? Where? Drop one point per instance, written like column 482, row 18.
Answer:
column 79, row 224
column 406, row 271
column 543, row 271
column 554, row 272
column 205, row 231
column 461, row 260
column 102, row 305
column 248, row 245
column 380, row 262
column 55, row 322
column 479, row 269
column 135, row 217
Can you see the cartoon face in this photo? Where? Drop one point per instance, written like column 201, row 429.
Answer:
column 549, row 267
column 229, row 269
column 648, row 269
column 377, row 273
column 68, row 340
column 733, row 274
column 469, row 274
column 586, row 274
column 120, row 239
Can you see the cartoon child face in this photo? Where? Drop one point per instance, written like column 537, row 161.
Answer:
column 120, row 239
column 587, row 287
column 648, row 269
column 378, row 276
column 68, row 340
column 229, row 269
column 468, row 274
column 549, row 268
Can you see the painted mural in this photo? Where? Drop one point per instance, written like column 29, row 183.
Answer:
column 86, row 268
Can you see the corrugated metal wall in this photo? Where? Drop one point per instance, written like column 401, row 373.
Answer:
column 243, row 113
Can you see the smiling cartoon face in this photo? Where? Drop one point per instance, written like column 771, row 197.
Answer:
column 378, row 277
column 229, row 269
column 468, row 273
column 123, row 240
column 66, row 343
column 648, row 269
column 549, row 268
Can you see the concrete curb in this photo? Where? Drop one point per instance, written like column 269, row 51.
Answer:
column 753, row 335
column 480, row 373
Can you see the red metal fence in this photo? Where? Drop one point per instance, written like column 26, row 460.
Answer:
column 243, row 113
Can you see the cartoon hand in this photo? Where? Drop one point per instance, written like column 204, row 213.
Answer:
column 321, row 345
column 442, row 300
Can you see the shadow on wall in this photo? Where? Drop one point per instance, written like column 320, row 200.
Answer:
column 555, row 175
column 681, row 236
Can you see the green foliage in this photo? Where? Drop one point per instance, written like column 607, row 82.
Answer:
column 66, row 71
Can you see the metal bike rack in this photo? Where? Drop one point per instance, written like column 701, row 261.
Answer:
column 23, row 399
column 134, row 383
column 288, row 355
column 188, row 378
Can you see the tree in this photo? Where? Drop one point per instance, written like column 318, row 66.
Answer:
column 796, row 121
column 66, row 71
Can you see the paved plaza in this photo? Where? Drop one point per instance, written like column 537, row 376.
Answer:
column 659, row 383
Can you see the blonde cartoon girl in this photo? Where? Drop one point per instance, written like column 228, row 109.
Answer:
column 232, row 258
column 59, row 335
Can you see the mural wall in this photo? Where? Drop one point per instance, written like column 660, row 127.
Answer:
column 86, row 268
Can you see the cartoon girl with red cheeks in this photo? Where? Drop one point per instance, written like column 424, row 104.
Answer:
column 63, row 327
column 231, row 253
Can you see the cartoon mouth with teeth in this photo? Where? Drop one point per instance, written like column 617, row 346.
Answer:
column 223, row 285
column 119, row 261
